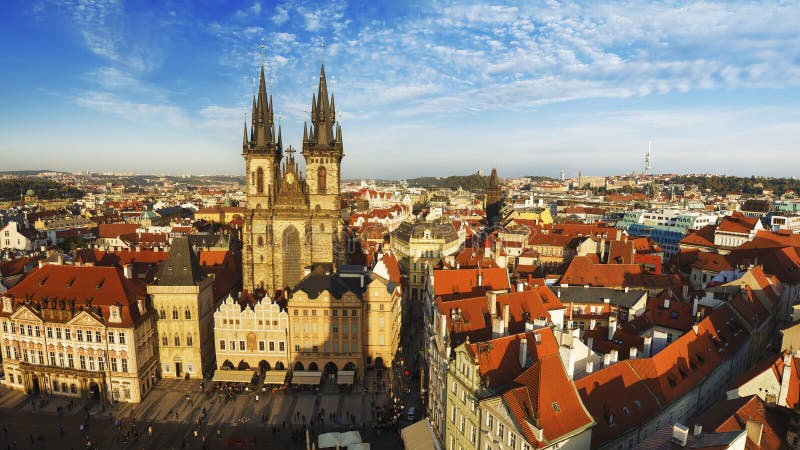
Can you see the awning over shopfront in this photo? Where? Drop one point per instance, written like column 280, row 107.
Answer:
column 345, row 377
column 233, row 376
column 306, row 377
column 275, row 376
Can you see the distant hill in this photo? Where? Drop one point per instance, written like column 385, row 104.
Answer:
column 44, row 189
column 27, row 173
column 472, row 182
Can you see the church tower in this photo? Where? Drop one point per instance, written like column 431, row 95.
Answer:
column 323, row 153
column 292, row 222
column 494, row 201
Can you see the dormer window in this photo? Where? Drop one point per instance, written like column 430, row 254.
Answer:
column 114, row 314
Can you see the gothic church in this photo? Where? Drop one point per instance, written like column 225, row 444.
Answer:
column 292, row 223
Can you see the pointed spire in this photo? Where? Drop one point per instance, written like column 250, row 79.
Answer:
column 245, row 144
column 338, row 133
column 280, row 139
column 333, row 110
column 305, row 132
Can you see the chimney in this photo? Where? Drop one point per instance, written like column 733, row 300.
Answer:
column 666, row 303
column 694, row 307
column 523, row 353
column 606, row 360
column 589, row 367
column 539, row 322
column 41, row 263
column 520, row 286
column 614, row 356
column 612, row 328
column 626, row 289
column 141, row 305
column 127, row 270
column 590, row 342
column 785, row 379
column 619, row 234
column 506, row 316
column 60, row 259
column 685, row 291
column 571, row 362
column 497, row 327
column 680, row 434
column 480, row 278
column 442, row 326
column 491, row 298
column 634, row 352
column 754, row 431
column 592, row 324
column 698, row 429
column 648, row 342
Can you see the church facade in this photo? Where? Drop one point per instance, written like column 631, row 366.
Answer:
column 291, row 222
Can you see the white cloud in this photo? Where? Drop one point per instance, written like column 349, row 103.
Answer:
column 281, row 15
column 139, row 112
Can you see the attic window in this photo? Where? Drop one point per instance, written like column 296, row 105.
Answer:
column 100, row 284
column 700, row 358
column 637, row 404
column 682, row 372
column 626, row 410
column 671, row 381
column 42, row 281
column 673, row 315
column 556, row 408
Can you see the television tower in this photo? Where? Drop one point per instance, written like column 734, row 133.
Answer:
column 647, row 165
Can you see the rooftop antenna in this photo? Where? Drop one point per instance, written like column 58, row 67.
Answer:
column 647, row 165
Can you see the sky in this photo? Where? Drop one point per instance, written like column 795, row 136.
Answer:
column 423, row 88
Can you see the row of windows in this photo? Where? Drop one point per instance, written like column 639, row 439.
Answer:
column 80, row 335
column 327, row 346
column 335, row 313
column 176, row 340
column 262, row 345
column 187, row 314
column 236, row 322
column 58, row 360
column 334, row 328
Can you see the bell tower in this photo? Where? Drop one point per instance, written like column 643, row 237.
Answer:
column 323, row 153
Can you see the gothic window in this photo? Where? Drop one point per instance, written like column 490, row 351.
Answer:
column 162, row 314
column 189, row 339
column 187, row 314
column 164, row 340
column 260, row 241
column 177, row 340
column 291, row 260
column 175, row 313
column 321, row 179
column 260, row 180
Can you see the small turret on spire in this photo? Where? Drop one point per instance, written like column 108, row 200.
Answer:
column 280, row 139
column 333, row 110
column 245, row 143
column 305, row 132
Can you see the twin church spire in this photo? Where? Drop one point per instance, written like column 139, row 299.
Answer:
column 262, row 137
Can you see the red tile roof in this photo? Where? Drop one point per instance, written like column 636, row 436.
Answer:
column 733, row 415
column 451, row 281
column 738, row 223
column 498, row 359
column 582, row 271
column 113, row 230
column 704, row 237
column 99, row 286
column 544, row 392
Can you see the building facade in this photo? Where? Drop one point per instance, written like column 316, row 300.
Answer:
column 423, row 245
column 79, row 331
column 251, row 334
column 13, row 237
column 291, row 222
column 183, row 296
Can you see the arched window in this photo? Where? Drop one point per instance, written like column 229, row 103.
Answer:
column 164, row 340
column 260, row 180
column 162, row 314
column 188, row 339
column 175, row 313
column 187, row 313
column 177, row 340
column 321, row 179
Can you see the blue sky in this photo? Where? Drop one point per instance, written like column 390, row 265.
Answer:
column 422, row 88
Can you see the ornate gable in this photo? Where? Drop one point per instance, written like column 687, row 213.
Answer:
column 24, row 312
column 86, row 319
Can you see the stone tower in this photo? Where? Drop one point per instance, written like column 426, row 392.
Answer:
column 292, row 222
column 494, row 201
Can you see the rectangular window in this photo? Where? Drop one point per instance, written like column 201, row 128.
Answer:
column 70, row 361
column 52, row 358
column 353, row 312
column 58, row 333
column 296, row 328
column 344, row 313
column 101, row 364
column 41, row 357
column 462, row 426
column 91, row 363
column 30, row 331
column 38, row 331
column 315, row 349
column 314, row 328
column 8, row 352
column 25, row 354
column 296, row 347
column 61, row 359
column 272, row 346
column 67, row 334
column 336, row 347
column 241, row 346
column 222, row 344
column 82, row 361
column 261, row 346
column 122, row 339
column 501, row 430
column 354, row 328
column 124, row 365
column 49, row 332
column 281, row 346
column 335, row 312
column 79, row 335
column 13, row 328
column 113, row 364
column 110, row 337
column 88, row 336
column 97, row 336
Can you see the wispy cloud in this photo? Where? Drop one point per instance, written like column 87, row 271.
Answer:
column 139, row 112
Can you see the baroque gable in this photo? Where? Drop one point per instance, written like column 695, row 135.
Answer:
column 26, row 313
column 86, row 319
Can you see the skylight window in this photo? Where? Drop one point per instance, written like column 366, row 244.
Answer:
column 556, row 408
column 673, row 315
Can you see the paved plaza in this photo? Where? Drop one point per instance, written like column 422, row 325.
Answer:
column 174, row 411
